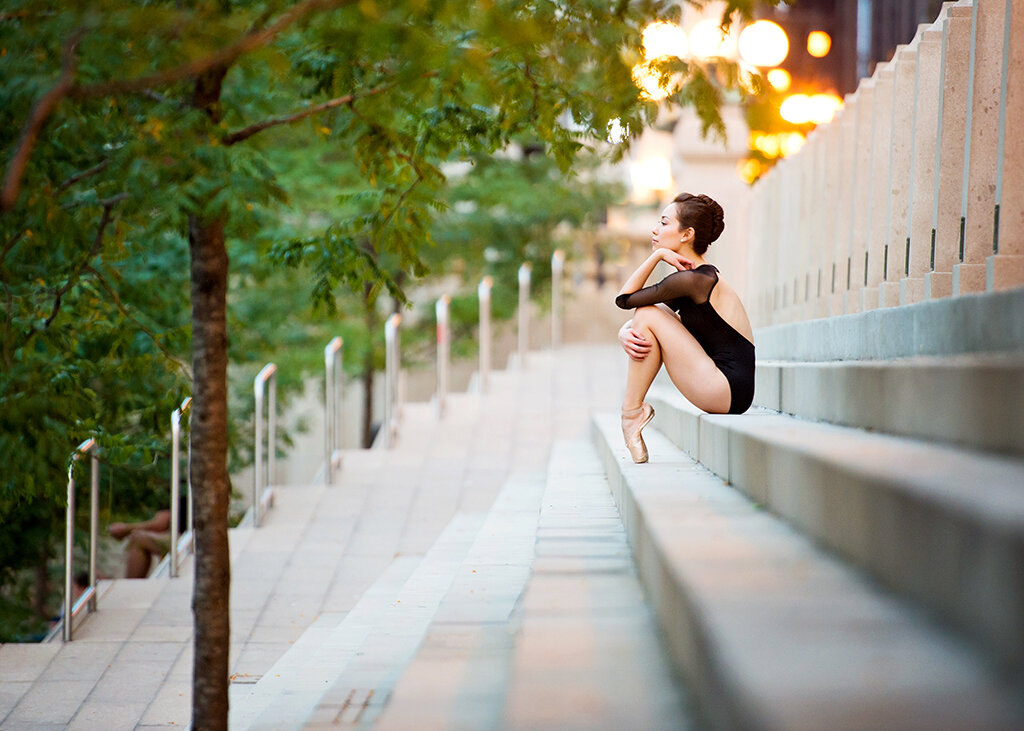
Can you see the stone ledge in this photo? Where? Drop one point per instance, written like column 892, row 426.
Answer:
column 941, row 525
column 976, row 401
column 978, row 323
column 772, row 633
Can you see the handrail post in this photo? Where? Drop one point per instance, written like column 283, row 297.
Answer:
column 483, row 292
column 391, row 368
column 524, row 311
column 175, row 485
column 332, row 405
column 94, row 523
column 557, row 268
column 441, row 310
column 261, row 479
column 89, row 445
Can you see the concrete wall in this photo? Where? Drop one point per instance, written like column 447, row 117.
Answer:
column 912, row 194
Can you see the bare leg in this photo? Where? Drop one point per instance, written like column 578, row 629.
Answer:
column 641, row 374
column 691, row 370
column 142, row 547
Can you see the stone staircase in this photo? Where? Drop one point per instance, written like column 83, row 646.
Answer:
column 498, row 569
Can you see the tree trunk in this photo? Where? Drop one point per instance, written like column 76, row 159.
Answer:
column 42, row 584
column 210, row 484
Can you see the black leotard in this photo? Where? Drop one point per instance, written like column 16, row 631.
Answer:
column 689, row 293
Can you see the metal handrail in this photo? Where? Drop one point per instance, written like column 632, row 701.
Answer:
column 176, row 415
column 392, row 365
column 557, row 268
column 333, row 394
column 261, row 480
column 524, row 311
column 89, row 595
column 483, row 293
column 441, row 309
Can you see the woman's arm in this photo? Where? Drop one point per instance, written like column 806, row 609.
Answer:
column 643, row 272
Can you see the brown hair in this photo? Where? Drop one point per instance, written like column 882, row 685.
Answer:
column 702, row 214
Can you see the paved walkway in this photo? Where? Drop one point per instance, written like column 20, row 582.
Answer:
column 495, row 525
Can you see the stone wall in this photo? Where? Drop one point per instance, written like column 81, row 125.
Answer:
column 911, row 193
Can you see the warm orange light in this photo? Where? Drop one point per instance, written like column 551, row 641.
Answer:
column 782, row 144
column 816, row 109
column 796, row 109
column 707, row 40
column 648, row 80
column 664, row 39
column 763, row 44
column 766, row 144
column 819, row 43
column 779, row 79
column 750, row 170
column 792, row 143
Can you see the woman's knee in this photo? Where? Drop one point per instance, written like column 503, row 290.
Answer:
column 645, row 317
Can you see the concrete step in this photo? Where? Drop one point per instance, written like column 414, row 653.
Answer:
column 458, row 674
column 402, row 599
column 772, row 632
column 976, row 401
column 942, row 525
column 547, row 625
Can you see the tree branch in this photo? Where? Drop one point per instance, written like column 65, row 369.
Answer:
column 40, row 112
column 73, row 279
column 223, row 57
column 66, row 87
column 96, row 169
column 247, row 132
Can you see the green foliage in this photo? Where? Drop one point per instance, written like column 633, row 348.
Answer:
column 324, row 152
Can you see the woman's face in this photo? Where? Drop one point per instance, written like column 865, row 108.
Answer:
column 666, row 233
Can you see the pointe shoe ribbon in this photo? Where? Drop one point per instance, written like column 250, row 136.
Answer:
column 633, row 423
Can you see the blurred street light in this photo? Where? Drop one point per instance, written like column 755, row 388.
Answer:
column 779, row 79
column 819, row 43
column 708, row 41
column 664, row 39
column 810, row 109
column 763, row 43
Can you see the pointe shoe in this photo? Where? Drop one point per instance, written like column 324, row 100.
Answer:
column 633, row 423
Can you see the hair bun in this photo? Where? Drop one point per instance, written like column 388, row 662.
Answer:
column 705, row 216
column 717, row 217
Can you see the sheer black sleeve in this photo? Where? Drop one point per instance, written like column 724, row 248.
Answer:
column 695, row 284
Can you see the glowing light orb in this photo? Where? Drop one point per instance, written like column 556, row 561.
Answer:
column 819, row 43
column 664, row 39
column 779, row 79
column 763, row 43
column 707, row 40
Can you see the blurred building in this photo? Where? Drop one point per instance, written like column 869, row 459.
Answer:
column 863, row 33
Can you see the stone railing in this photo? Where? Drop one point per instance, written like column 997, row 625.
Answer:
column 914, row 191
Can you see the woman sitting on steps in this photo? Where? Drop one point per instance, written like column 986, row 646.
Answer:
column 691, row 321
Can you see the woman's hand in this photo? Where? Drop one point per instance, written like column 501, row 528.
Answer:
column 680, row 262
column 636, row 345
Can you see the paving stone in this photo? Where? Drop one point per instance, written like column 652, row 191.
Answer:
column 49, row 702
column 25, row 662
column 171, row 706
column 81, row 661
column 11, row 692
column 109, row 716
